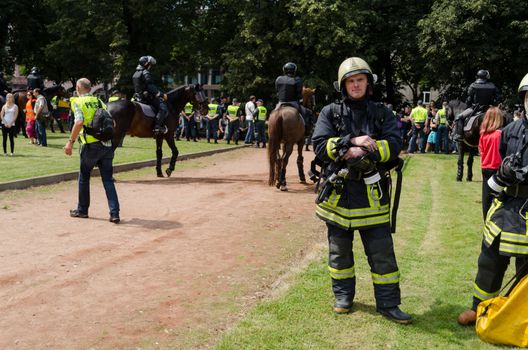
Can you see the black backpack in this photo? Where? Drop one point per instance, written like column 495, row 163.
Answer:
column 102, row 125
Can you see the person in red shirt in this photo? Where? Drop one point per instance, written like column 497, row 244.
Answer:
column 490, row 159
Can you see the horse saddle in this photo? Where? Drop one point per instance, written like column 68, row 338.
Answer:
column 148, row 110
column 469, row 123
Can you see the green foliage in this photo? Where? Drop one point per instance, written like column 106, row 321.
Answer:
column 460, row 37
column 424, row 44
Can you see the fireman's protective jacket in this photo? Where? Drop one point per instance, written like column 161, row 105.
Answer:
column 506, row 219
column 358, row 205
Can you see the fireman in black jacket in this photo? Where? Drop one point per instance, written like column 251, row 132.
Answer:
column 147, row 92
column 505, row 229
column 364, row 136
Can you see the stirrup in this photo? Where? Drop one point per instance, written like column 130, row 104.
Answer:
column 160, row 131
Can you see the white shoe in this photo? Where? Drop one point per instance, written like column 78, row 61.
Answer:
column 5, row 154
column 11, row 154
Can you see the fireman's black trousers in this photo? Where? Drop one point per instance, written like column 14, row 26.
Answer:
column 379, row 248
column 491, row 269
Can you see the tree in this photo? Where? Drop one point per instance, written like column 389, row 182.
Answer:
column 458, row 37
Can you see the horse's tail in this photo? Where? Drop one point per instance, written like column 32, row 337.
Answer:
column 274, row 143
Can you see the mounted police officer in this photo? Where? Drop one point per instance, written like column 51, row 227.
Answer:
column 289, row 88
column 147, row 92
column 34, row 79
column 357, row 138
column 505, row 228
column 482, row 93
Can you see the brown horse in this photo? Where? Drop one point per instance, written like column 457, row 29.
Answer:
column 129, row 119
column 286, row 128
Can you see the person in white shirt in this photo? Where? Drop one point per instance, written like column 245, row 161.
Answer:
column 41, row 114
column 8, row 116
column 251, row 110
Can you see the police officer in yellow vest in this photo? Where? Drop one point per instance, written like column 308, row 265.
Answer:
column 442, row 135
column 213, row 116
column 189, row 122
column 93, row 153
column 60, row 107
column 418, row 116
column 233, row 115
column 363, row 135
column 260, row 124
column 505, row 233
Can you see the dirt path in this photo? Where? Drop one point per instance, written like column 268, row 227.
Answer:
column 192, row 253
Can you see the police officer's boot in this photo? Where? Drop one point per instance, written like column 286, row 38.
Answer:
column 459, row 130
column 344, row 291
column 159, row 126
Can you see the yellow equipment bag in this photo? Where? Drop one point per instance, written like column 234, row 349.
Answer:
column 504, row 320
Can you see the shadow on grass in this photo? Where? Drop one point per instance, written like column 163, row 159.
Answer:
column 440, row 320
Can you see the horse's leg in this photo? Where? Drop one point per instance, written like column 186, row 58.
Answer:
column 300, row 163
column 170, row 141
column 460, row 163
column 471, row 155
column 288, row 149
column 159, row 155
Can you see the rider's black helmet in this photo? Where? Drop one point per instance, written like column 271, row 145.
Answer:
column 34, row 70
column 483, row 74
column 289, row 68
column 144, row 60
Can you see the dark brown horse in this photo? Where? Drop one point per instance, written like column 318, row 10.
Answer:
column 287, row 128
column 130, row 119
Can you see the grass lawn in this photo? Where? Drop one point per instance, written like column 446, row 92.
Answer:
column 31, row 161
column 437, row 244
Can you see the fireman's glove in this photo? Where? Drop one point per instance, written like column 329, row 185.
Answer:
column 510, row 173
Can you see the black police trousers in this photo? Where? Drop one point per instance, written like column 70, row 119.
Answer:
column 379, row 248
column 491, row 269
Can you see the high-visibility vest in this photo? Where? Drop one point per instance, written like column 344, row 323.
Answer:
column 88, row 105
column 30, row 113
column 72, row 100
column 262, row 111
column 188, row 108
column 114, row 98
column 53, row 102
column 232, row 112
column 213, row 110
column 63, row 103
column 442, row 115
column 419, row 114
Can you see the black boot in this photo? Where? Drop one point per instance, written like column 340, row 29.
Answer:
column 396, row 315
column 459, row 130
column 344, row 291
column 159, row 126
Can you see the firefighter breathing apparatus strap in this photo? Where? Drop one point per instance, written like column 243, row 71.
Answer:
column 399, row 179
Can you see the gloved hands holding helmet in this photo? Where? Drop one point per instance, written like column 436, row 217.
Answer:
column 510, row 173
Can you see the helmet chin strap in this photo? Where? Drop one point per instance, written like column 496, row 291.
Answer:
column 526, row 102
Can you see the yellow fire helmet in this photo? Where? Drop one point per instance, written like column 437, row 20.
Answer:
column 352, row 66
